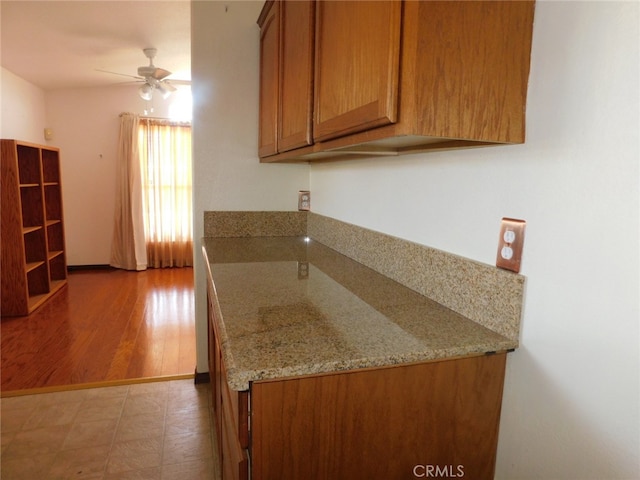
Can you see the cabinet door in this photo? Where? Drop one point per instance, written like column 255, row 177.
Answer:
column 269, row 60
column 380, row 423
column 356, row 66
column 214, row 369
column 296, row 74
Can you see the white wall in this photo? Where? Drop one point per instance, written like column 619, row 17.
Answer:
column 572, row 389
column 85, row 124
column 227, row 175
column 23, row 111
column 571, row 395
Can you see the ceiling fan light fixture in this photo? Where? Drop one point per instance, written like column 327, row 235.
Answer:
column 145, row 91
column 165, row 92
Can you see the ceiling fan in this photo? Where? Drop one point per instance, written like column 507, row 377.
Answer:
column 154, row 78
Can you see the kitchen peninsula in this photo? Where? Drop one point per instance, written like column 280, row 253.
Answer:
column 322, row 367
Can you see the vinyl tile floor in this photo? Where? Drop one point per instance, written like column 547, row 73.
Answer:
column 156, row 430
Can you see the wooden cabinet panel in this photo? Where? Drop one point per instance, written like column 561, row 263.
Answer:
column 379, row 423
column 235, row 460
column 356, row 66
column 473, row 85
column 214, row 370
column 230, row 408
column 236, row 406
column 269, row 76
column 286, row 76
column 296, row 74
column 240, row 412
column 235, row 464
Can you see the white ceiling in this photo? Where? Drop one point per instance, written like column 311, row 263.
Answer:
column 61, row 44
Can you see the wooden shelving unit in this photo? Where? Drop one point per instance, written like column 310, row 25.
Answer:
column 34, row 263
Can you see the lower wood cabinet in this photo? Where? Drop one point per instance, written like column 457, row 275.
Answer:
column 389, row 423
column 395, row 422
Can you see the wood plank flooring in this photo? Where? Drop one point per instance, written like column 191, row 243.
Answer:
column 106, row 325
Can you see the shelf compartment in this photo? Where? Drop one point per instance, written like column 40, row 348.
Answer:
column 35, row 246
column 26, row 230
column 50, row 166
column 57, row 266
column 32, row 207
column 52, row 201
column 33, row 265
column 38, row 280
column 29, row 165
column 36, row 300
column 53, row 255
column 55, row 236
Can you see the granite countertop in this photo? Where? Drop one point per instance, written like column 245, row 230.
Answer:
column 289, row 306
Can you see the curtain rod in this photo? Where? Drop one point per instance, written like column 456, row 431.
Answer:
column 161, row 119
column 158, row 118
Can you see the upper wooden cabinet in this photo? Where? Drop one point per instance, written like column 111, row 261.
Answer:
column 396, row 77
column 286, row 76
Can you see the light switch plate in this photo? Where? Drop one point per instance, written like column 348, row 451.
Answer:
column 510, row 244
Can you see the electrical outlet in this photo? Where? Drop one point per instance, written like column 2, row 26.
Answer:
column 510, row 244
column 304, row 200
column 303, row 270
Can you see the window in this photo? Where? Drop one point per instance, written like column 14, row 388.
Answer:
column 165, row 164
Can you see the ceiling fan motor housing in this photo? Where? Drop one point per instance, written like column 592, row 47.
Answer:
column 155, row 72
column 150, row 53
column 151, row 70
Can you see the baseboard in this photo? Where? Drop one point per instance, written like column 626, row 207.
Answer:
column 201, row 377
column 72, row 268
column 106, row 383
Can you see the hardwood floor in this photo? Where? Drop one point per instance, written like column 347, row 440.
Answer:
column 105, row 326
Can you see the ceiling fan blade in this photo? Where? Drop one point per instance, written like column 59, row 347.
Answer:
column 121, row 74
column 175, row 81
column 128, row 82
column 167, row 86
column 160, row 73
column 153, row 72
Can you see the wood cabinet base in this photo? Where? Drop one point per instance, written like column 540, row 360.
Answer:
column 428, row 419
column 391, row 423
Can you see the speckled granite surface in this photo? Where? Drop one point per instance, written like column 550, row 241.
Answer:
column 289, row 306
column 483, row 293
column 254, row 224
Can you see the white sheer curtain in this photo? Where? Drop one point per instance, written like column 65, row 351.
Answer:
column 165, row 158
column 128, row 250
